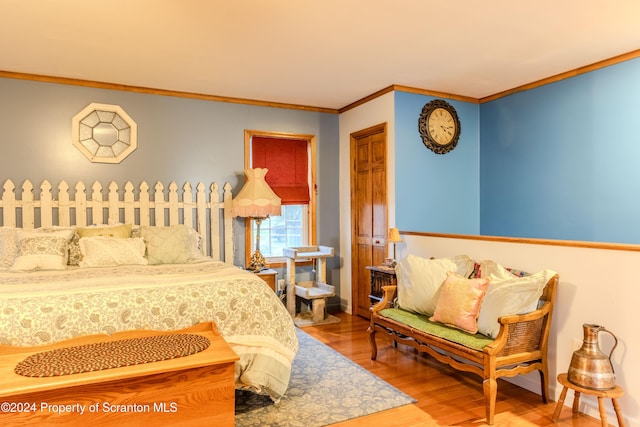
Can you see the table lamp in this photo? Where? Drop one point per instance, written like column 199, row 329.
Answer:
column 394, row 237
column 257, row 201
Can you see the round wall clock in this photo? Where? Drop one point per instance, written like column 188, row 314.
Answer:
column 439, row 126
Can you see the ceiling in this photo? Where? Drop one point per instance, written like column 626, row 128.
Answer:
column 317, row 53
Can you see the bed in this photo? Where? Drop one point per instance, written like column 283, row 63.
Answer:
column 158, row 260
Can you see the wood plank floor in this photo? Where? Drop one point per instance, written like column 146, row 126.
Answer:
column 444, row 396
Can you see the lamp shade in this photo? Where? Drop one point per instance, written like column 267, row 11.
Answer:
column 256, row 199
column 394, row 236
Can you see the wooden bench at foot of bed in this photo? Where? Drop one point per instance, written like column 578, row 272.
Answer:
column 189, row 390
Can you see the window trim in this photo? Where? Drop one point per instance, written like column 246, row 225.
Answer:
column 311, row 140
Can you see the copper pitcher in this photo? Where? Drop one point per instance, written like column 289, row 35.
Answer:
column 590, row 367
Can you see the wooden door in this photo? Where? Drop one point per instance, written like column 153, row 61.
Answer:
column 368, row 210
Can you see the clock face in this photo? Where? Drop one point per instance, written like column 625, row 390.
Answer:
column 439, row 126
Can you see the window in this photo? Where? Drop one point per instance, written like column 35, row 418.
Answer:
column 290, row 159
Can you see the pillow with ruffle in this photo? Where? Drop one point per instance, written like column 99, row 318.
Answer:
column 459, row 302
column 122, row 231
column 105, row 251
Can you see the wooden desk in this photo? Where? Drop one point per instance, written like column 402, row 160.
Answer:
column 613, row 394
column 193, row 390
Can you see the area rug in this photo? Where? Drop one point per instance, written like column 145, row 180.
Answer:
column 325, row 388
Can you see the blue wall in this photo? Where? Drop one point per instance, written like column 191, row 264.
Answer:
column 436, row 193
column 561, row 161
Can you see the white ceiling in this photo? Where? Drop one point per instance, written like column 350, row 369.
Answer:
column 318, row 53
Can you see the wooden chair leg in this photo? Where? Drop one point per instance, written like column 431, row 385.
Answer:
column 372, row 341
column 490, row 387
column 544, row 384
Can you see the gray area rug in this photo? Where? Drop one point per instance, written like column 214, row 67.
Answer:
column 325, row 388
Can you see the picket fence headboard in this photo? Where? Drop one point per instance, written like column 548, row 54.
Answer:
column 204, row 211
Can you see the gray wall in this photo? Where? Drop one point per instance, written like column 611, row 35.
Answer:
column 179, row 139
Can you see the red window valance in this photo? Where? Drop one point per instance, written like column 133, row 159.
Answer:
column 288, row 164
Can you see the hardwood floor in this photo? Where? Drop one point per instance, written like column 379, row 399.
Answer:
column 448, row 397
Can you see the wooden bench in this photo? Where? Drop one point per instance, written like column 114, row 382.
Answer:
column 191, row 390
column 519, row 348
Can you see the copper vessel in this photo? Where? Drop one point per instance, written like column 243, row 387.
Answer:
column 590, row 367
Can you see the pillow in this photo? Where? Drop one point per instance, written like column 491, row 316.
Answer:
column 8, row 246
column 168, row 245
column 488, row 268
column 195, row 245
column 510, row 295
column 460, row 301
column 44, row 249
column 122, row 231
column 464, row 264
column 419, row 280
column 75, row 256
column 104, row 251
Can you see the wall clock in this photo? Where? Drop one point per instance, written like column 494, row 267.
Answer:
column 439, row 126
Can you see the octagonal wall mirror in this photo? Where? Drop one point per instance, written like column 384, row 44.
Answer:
column 104, row 133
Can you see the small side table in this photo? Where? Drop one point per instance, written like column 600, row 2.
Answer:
column 268, row 276
column 381, row 275
column 613, row 394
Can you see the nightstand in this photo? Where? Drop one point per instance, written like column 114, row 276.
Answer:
column 381, row 275
column 268, row 276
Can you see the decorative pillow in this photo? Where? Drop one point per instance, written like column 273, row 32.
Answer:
column 510, row 295
column 460, row 301
column 45, row 249
column 103, row 251
column 168, row 245
column 419, row 281
column 8, row 245
column 75, row 256
column 122, row 231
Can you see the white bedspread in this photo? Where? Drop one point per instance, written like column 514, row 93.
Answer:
column 47, row 306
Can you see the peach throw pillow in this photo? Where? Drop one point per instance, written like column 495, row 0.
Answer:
column 460, row 301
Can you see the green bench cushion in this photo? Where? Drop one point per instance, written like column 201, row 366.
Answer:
column 422, row 323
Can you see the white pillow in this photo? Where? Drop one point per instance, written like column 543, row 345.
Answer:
column 419, row 282
column 510, row 295
column 42, row 249
column 104, row 251
column 8, row 246
column 464, row 264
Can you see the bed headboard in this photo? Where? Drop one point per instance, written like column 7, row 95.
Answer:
column 204, row 210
